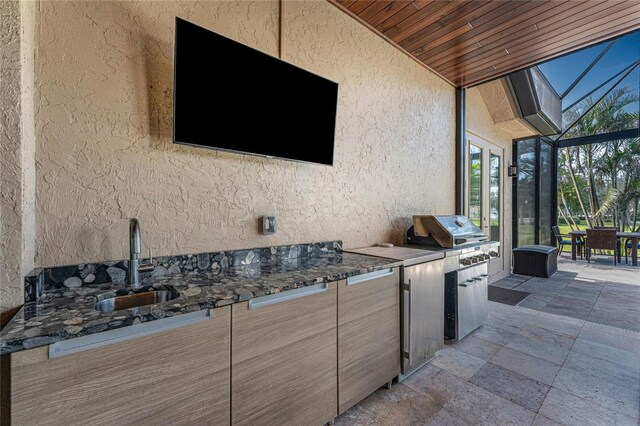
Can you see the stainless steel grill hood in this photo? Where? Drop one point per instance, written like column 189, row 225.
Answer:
column 445, row 231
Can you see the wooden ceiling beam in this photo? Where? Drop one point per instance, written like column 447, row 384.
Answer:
column 379, row 6
column 462, row 22
column 444, row 22
column 410, row 9
column 598, row 25
column 632, row 24
column 360, row 6
column 421, row 19
column 345, row 3
column 500, row 39
column 393, row 8
column 437, row 20
column 468, row 41
column 524, row 12
column 367, row 25
column 548, row 30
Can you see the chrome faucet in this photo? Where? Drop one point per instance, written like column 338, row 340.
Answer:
column 134, row 252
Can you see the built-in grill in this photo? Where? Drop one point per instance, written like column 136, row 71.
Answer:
column 467, row 252
column 446, row 231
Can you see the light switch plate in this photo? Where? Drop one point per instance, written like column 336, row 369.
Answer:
column 268, row 225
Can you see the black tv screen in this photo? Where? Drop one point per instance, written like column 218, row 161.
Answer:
column 231, row 97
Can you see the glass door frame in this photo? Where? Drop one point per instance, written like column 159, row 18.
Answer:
column 553, row 202
column 487, row 150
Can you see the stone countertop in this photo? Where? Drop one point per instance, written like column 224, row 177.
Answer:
column 65, row 313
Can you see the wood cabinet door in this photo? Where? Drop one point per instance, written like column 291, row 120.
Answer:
column 368, row 335
column 284, row 358
column 175, row 377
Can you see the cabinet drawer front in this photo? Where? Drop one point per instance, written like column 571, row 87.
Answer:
column 368, row 337
column 284, row 361
column 370, row 296
column 180, row 376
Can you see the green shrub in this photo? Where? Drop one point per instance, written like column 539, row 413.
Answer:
column 561, row 221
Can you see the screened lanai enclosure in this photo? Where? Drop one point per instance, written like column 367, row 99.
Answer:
column 585, row 171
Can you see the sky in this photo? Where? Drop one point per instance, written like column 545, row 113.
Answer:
column 561, row 72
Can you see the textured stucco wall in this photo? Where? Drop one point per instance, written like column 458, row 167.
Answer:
column 17, row 148
column 104, row 152
column 480, row 123
column 28, row 138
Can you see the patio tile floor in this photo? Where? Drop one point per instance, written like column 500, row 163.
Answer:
column 598, row 292
column 530, row 366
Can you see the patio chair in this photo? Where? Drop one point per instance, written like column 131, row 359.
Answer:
column 563, row 242
column 618, row 243
column 602, row 239
column 627, row 249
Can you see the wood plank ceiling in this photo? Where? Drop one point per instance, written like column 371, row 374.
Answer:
column 471, row 41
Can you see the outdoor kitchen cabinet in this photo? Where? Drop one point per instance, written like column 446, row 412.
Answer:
column 177, row 376
column 297, row 357
column 284, row 358
column 368, row 334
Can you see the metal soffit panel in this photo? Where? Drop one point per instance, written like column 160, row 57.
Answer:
column 470, row 41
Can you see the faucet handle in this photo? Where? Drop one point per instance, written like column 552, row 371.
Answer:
column 152, row 261
column 150, row 265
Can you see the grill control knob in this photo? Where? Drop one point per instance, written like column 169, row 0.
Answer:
column 486, row 256
column 466, row 262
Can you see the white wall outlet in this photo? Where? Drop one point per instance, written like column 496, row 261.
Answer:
column 268, row 225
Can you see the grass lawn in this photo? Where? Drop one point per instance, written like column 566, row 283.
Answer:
column 565, row 229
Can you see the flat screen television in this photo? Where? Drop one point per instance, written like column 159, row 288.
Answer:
column 228, row 96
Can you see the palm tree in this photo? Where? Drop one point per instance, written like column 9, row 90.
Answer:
column 607, row 173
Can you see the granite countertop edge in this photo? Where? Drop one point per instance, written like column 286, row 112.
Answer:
column 26, row 331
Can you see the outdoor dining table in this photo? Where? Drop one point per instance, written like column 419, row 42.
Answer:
column 634, row 236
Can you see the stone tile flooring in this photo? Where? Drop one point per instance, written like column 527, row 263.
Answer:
column 596, row 292
column 530, row 365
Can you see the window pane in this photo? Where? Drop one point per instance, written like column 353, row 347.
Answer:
column 526, row 192
column 475, row 185
column 494, row 198
column 612, row 198
column 618, row 110
column 546, row 183
column 561, row 72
